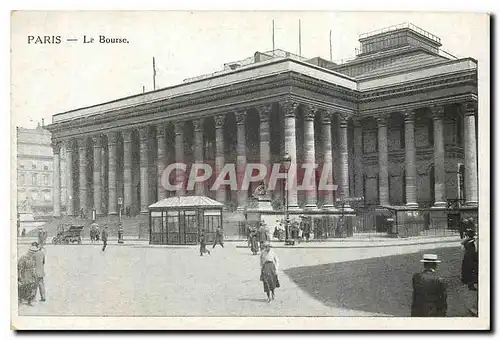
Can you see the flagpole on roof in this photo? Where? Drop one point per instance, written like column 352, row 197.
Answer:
column 273, row 37
column 300, row 40
column 154, row 74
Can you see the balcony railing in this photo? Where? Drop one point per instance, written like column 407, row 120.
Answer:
column 264, row 56
column 401, row 26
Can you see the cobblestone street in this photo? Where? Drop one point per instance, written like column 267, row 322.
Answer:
column 135, row 280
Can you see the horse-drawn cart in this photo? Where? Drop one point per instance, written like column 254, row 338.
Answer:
column 67, row 234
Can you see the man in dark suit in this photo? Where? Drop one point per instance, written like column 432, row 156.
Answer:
column 104, row 237
column 429, row 290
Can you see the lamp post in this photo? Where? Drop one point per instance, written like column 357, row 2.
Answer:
column 120, row 227
column 286, row 161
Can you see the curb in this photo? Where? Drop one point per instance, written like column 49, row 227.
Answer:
column 357, row 245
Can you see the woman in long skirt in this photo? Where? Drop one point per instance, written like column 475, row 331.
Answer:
column 269, row 268
column 254, row 241
column 203, row 244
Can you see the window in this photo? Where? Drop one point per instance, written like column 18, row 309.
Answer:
column 21, row 179
column 21, row 166
column 46, row 167
column 34, row 179
column 46, row 180
column 33, row 166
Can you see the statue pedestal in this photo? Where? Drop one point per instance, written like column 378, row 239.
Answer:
column 264, row 204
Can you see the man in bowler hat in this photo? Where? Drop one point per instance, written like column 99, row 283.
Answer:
column 429, row 290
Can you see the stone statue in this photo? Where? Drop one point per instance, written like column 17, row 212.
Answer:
column 260, row 192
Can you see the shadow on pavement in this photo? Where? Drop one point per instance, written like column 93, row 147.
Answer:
column 380, row 285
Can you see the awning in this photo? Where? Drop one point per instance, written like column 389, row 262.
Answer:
column 186, row 202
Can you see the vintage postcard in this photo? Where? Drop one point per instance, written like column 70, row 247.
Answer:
column 250, row 170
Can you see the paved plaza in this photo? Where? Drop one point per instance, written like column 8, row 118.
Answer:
column 139, row 280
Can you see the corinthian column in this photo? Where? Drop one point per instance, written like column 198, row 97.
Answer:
column 162, row 160
column 179, row 157
column 344, row 160
column 469, row 110
column 143, row 154
column 199, row 187
column 310, row 157
column 112, row 140
column 241, row 157
column 82, row 160
column 290, row 109
column 358, row 157
column 220, row 194
column 96, row 140
column 326, row 122
column 56, row 148
column 439, row 154
column 383, row 170
column 127, row 169
column 410, row 159
column 265, row 145
column 70, row 209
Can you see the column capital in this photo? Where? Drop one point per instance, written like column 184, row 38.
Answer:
column 264, row 111
column 68, row 144
column 143, row 133
column 219, row 121
column 309, row 112
column 240, row 116
column 409, row 115
column 382, row 119
column 326, row 116
column 127, row 136
column 96, row 141
column 179, row 128
column 290, row 107
column 56, row 146
column 198, row 125
column 437, row 111
column 343, row 117
column 112, row 137
column 81, row 142
column 357, row 121
column 469, row 108
column 160, row 130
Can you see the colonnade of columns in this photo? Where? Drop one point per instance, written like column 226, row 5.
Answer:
column 289, row 109
column 469, row 110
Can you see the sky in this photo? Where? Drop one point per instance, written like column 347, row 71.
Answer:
column 47, row 79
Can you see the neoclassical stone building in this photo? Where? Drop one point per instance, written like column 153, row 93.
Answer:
column 398, row 124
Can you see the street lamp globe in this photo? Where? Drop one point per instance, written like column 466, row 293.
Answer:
column 286, row 161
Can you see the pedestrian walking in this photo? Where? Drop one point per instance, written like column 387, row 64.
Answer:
column 470, row 261
column 42, row 236
column 307, row 230
column 94, row 231
column 203, row 244
column 26, row 276
column 219, row 237
column 269, row 267
column 262, row 234
column 104, row 237
column 429, row 290
column 40, row 271
column 254, row 240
